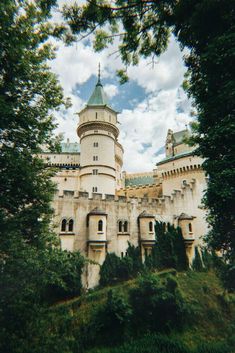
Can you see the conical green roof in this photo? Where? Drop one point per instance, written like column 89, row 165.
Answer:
column 98, row 96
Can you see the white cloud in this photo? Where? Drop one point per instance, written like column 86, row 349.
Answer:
column 167, row 72
column 148, row 124
column 165, row 105
column 111, row 90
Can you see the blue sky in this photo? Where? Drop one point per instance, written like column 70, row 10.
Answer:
column 149, row 104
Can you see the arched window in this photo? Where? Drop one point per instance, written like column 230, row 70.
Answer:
column 190, row 228
column 120, row 226
column 100, row 226
column 63, row 225
column 70, row 225
column 150, row 226
column 125, row 227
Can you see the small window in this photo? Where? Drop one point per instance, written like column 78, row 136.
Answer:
column 95, row 171
column 95, row 144
column 125, row 227
column 70, row 225
column 120, row 226
column 94, row 189
column 190, row 227
column 100, row 226
column 95, row 158
column 122, row 254
column 150, row 226
column 96, row 115
column 63, row 225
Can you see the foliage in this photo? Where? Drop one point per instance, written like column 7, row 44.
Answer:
column 151, row 343
column 157, row 304
column 68, row 267
column 116, row 269
column 207, row 29
column 197, row 261
column 169, row 251
column 114, row 318
column 82, row 323
column 30, row 263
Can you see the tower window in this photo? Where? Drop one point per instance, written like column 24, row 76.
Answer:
column 125, row 227
column 96, row 115
column 95, row 144
column 95, row 158
column 95, row 171
column 63, row 225
column 190, row 228
column 70, row 225
column 150, row 226
column 94, row 189
column 100, row 226
column 120, row 226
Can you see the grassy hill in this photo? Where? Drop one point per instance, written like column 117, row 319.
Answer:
column 82, row 324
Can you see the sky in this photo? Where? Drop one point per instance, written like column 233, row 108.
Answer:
column 149, row 104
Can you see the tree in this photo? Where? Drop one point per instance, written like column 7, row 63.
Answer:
column 29, row 93
column 116, row 269
column 206, row 29
column 169, row 250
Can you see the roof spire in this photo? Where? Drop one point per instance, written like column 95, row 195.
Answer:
column 98, row 82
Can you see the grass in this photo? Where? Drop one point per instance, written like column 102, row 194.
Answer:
column 212, row 318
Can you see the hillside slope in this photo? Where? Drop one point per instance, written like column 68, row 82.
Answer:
column 80, row 324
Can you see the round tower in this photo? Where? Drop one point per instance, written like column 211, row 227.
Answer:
column 98, row 135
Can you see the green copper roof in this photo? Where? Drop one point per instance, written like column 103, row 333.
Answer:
column 172, row 158
column 70, row 147
column 141, row 180
column 98, row 96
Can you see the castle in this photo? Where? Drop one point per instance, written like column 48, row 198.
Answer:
column 99, row 208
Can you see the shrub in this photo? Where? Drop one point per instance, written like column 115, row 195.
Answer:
column 169, row 250
column 116, row 269
column 157, row 304
column 197, row 261
column 114, row 318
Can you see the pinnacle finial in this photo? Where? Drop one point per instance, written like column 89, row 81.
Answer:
column 98, row 73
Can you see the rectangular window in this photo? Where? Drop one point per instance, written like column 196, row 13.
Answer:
column 95, row 171
column 94, row 189
column 95, row 144
column 95, row 158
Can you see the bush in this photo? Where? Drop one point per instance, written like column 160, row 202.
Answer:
column 114, row 318
column 197, row 261
column 169, row 251
column 157, row 304
column 66, row 268
column 116, row 269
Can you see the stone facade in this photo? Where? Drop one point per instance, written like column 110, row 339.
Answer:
column 99, row 208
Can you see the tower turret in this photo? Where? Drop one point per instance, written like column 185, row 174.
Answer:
column 98, row 133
